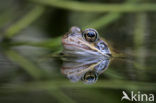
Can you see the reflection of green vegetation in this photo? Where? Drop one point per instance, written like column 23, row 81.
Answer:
column 140, row 33
column 54, row 87
column 51, row 43
column 93, row 7
column 25, row 64
column 104, row 20
column 25, row 21
column 114, row 84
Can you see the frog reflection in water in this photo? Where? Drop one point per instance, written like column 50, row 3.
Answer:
column 91, row 55
column 86, row 70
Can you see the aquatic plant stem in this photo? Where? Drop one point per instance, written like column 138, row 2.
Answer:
column 115, row 84
column 97, row 7
column 24, row 22
column 28, row 66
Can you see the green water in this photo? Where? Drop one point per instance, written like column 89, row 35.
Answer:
column 31, row 71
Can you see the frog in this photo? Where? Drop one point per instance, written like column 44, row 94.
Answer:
column 84, row 43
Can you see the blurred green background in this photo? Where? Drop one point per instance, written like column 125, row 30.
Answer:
column 30, row 39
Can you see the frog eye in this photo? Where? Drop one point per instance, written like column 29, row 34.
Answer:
column 90, row 77
column 91, row 35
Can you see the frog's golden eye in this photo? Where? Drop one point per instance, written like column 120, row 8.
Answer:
column 91, row 35
column 90, row 77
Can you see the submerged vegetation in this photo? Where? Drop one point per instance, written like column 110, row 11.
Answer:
column 30, row 39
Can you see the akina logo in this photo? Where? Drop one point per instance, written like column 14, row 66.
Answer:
column 137, row 96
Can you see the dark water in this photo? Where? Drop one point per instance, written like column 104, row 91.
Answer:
column 30, row 74
column 31, row 71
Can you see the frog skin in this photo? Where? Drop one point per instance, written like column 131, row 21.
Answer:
column 86, row 55
column 84, row 43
